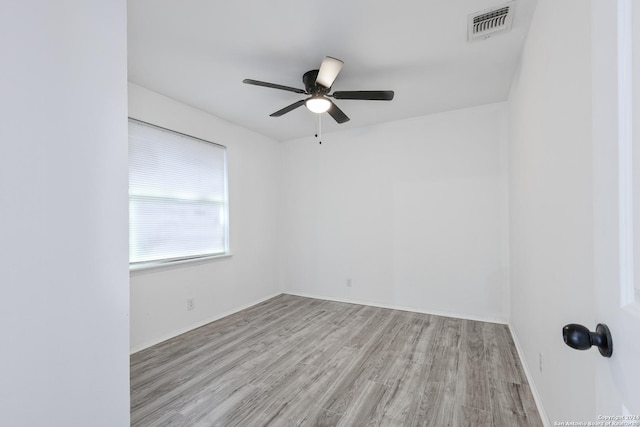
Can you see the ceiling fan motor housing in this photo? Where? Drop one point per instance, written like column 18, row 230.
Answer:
column 309, row 80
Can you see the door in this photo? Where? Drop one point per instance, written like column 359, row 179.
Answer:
column 616, row 154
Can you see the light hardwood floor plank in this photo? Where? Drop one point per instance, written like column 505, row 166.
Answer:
column 473, row 386
column 466, row 416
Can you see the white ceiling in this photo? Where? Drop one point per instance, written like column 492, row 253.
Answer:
column 199, row 51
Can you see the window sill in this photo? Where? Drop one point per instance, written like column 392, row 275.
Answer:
column 159, row 266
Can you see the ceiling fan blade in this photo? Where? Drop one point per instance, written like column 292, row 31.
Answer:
column 337, row 114
column 328, row 72
column 287, row 108
column 367, row 95
column 272, row 85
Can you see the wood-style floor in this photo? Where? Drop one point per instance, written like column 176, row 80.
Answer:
column 296, row 361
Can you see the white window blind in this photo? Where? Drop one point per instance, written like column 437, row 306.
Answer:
column 177, row 196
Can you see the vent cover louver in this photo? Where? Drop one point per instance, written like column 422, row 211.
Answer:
column 481, row 25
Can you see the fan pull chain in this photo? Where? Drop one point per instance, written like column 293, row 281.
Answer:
column 319, row 128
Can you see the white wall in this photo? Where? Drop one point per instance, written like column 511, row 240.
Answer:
column 551, row 223
column 225, row 285
column 413, row 212
column 63, row 233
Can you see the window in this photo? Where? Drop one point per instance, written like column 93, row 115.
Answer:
column 177, row 196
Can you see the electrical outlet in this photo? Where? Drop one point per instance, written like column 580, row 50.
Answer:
column 191, row 304
column 540, row 361
column 349, row 283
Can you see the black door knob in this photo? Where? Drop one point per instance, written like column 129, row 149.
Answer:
column 579, row 337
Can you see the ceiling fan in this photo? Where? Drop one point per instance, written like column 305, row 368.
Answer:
column 318, row 84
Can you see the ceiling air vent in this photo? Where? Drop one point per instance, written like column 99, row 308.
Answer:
column 486, row 23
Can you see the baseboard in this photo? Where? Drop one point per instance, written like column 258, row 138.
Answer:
column 403, row 308
column 532, row 385
column 193, row 326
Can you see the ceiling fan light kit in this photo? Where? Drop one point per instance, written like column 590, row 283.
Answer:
column 318, row 84
column 318, row 104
